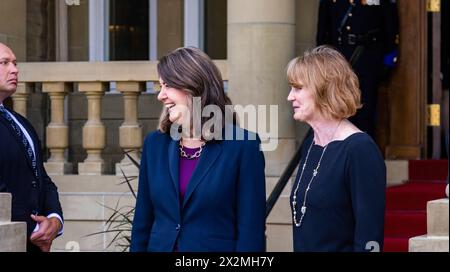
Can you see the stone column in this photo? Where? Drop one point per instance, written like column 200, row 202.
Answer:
column 57, row 130
column 261, row 41
column 130, row 132
column 94, row 135
column 13, row 27
column 20, row 98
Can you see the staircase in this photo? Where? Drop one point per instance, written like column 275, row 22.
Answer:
column 12, row 234
column 406, row 205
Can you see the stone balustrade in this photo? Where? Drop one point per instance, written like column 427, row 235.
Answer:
column 91, row 79
column 437, row 237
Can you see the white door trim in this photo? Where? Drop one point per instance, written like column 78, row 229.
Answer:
column 194, row 23
column 99, row 30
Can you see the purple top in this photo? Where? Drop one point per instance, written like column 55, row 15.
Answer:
column 186, row 169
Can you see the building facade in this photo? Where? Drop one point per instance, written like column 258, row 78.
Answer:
column 87, row 67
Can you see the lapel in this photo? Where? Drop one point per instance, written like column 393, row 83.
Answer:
column 174, row 165
column 13, row 134
column 35, row 141
column 211, row 152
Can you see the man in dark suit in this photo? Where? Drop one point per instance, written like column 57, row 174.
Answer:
column 34, row 196
column 366, row 33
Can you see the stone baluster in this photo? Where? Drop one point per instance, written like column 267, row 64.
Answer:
column 57, row 129
column 94, row 134
column 20, row 98
column 130, row 132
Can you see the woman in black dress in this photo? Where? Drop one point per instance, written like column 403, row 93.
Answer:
column 338, row 197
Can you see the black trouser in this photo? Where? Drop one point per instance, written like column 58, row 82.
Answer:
column 369, row 69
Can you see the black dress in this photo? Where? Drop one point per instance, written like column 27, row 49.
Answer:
column 346, row 200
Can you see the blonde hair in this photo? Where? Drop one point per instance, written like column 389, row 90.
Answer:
column 334, row 84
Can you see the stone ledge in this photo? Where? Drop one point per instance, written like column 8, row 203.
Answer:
column 437, row 217
column 427, row 243
column 396, row 172
column 5, row 207
column 281, row 212
column 94, row 206
column 279, row 237
column 13, row 237
column 104, row 183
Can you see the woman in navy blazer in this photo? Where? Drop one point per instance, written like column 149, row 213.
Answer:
column 198, row 193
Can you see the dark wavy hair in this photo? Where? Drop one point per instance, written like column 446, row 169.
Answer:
column 192, row 71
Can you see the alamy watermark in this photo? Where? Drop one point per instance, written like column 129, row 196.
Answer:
column 72, row 246
column 261, row 119
column 373, row 246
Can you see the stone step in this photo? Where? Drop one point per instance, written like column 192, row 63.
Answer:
column 396, row 172
column 429, row 243
column 437, row 217
column 279, row 237
column 12, row 234
column 13, row 237
column 5, row 207
column 281, row 212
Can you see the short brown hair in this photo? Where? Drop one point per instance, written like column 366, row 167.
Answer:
column 191, row 70
column 334, row 84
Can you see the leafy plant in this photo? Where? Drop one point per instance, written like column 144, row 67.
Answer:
column 121, row 219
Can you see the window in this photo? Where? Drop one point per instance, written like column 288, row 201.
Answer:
column 129, row 30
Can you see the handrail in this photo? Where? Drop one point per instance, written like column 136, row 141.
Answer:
column 287, row 173
column 107, row 71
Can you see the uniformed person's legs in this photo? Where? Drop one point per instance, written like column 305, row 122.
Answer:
column 369, row 70
column 365, row 118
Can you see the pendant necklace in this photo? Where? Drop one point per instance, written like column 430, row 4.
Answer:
column 315, row 172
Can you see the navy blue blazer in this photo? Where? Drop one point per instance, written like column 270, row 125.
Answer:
column 224, row 205
column 29, row 194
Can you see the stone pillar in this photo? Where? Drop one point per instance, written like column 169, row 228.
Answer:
column 13, row 235
column 20, row 98
column 261, row 41
column 130, row 132
column 13, row 27
column 94, row 135
column 57, row 130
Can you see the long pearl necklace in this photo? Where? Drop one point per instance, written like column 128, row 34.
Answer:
column 294, row 199
column 315, row 172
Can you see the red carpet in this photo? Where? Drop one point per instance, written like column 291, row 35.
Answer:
column 406, row 204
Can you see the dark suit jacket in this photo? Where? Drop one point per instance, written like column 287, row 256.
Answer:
column 363, row 19
column 29, row 195
column 224, row 205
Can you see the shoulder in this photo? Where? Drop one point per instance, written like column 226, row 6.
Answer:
column 360, row 139
column 24, row 122
column 157, row 137
column 20, row 118
column 237, row 137
column 235, row 133
column 362, row 147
